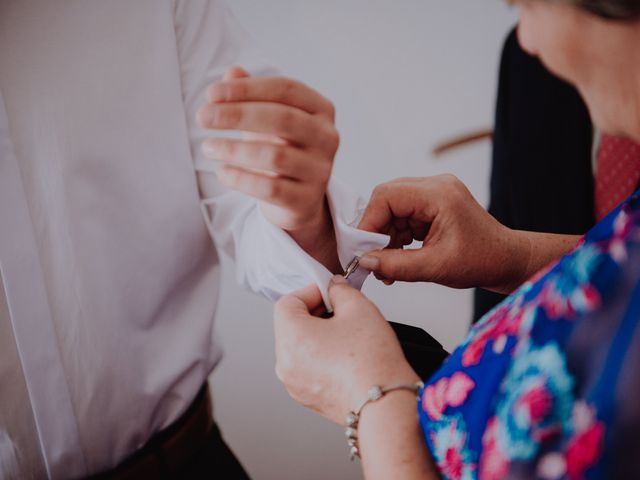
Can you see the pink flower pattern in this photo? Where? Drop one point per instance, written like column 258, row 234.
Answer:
column 507, row 396
column 445, row 393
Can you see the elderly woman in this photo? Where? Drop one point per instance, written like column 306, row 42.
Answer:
column 546, row 385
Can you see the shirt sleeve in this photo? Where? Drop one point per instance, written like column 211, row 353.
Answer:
column 209, row 40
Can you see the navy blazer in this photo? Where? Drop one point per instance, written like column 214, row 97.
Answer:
column 541, row 177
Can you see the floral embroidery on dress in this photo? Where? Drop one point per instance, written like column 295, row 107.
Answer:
column 506, row 321
column 446, row 392
column 451, row 454
column 494, row 462
column 585, row 445
column 623, row 231
column 536, row 403
column 507, row 401
column 582, row 450
column 568, row 290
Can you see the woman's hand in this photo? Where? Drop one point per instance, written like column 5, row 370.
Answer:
column 329, row 364
column 463, row 245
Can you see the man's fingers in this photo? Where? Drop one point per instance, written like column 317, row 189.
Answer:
column 409, row 265
column 272, row 89
column 234, row 73
column 275, row 190
column 283, row 121
column 281, row 159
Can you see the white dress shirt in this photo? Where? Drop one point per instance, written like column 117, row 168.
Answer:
column 109, row 278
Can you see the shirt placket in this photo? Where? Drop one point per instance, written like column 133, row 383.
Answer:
column 32, row 336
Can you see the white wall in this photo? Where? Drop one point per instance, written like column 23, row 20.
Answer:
column 403, row 74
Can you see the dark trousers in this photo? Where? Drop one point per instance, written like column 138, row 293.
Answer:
column 191, row 448
column 214, row 460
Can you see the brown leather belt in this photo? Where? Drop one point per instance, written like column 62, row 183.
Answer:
column 171, row 448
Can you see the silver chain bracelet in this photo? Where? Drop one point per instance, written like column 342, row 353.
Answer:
column 374, row 393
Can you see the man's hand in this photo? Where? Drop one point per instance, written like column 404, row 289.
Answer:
column 286, row 157
column 288, row 163
column 462, row 245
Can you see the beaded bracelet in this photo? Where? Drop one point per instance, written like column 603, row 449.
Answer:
column 374, row 393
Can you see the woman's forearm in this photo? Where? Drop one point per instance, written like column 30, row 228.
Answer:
column 391, row 441
column 530, row 252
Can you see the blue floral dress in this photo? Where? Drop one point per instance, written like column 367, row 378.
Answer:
column 547, row 384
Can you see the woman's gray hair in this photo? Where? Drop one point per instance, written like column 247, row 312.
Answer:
column 613, row 9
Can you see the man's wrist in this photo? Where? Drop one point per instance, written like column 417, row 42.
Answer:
column 318, row 238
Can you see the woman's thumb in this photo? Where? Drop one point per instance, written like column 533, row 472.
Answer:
column 341, row 291
column 397, row 264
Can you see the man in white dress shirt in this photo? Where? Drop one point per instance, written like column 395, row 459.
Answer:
column 108, row 275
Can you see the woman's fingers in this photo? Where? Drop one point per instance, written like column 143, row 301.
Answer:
column 344, row 297
column 401, row 204
column 292, row 315
column 298, row 303
column 272, row 89
column 310, row 296
column 411, row 203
